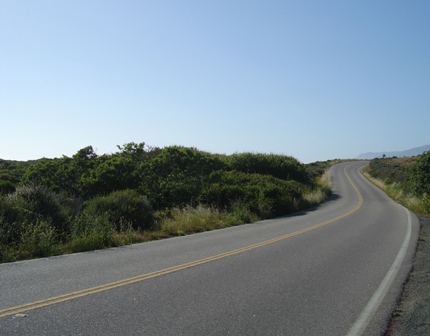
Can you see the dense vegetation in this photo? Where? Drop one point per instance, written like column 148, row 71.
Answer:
column 407, row 180
column 89, row 201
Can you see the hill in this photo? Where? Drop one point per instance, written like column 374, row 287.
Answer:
column 405, row 153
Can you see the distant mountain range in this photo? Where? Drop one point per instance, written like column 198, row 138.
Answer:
column 409, row 152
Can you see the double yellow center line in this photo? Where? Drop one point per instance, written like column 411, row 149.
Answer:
column 70, row 296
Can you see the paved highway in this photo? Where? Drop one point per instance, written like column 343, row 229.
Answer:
column 333, row 270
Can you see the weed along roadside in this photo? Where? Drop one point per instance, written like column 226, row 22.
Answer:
column 89, row 201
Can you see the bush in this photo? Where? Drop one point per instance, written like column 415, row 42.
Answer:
column 38, row 240
column 8, row 236
column 280, row 166
column 23, row 240
column 10, row 226
column 121, row 207
column 91, row 232
column 426, row 203
column 265, row 196
column 242, row 213
column 6, row 187
column 238, row 188
column 177, row 174
column 420, row 176
column 32, row 202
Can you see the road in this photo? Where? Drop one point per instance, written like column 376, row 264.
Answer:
column 333, row 270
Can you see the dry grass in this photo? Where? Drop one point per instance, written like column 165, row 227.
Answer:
column 377, row 182
column 323, row 190
column 394, row 191
column 190, row 220
column 325, row 179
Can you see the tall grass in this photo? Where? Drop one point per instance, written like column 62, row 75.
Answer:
column 395, row 191
column 39, row 239
column 321, row 192
column 188, row 220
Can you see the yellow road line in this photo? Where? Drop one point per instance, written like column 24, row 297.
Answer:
column 70, row 296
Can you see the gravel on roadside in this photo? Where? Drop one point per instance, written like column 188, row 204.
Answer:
column 412, row 316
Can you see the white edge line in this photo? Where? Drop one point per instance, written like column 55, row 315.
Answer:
column 366, row 315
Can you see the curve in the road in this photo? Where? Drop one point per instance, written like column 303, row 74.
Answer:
column 70, row 296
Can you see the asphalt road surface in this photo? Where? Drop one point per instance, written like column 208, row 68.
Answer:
column 337, row 269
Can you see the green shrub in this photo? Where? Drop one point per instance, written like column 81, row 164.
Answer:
column 279, row 166
column 125, row 206
column 90, row 232
column 242, row 213
column 6, row 187
column 10, row 226
column 27, row 240
column 23, row 233
column 38, row 239
column 426, row 203
column 8, row 235
column 177, row 174
column 238, row 188
column 420, row 176
column 33, row 202
column 265, row 196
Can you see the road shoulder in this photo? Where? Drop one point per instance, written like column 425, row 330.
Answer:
column 412, row 314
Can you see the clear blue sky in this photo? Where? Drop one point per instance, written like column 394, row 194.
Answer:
column 313, row 79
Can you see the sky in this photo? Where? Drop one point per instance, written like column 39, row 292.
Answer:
column 316, row 80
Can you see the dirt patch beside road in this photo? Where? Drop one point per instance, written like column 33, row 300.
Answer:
column 412, row 316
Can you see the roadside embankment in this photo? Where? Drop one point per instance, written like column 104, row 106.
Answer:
column 412, row 316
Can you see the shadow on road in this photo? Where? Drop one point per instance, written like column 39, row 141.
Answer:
column 331, row 198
